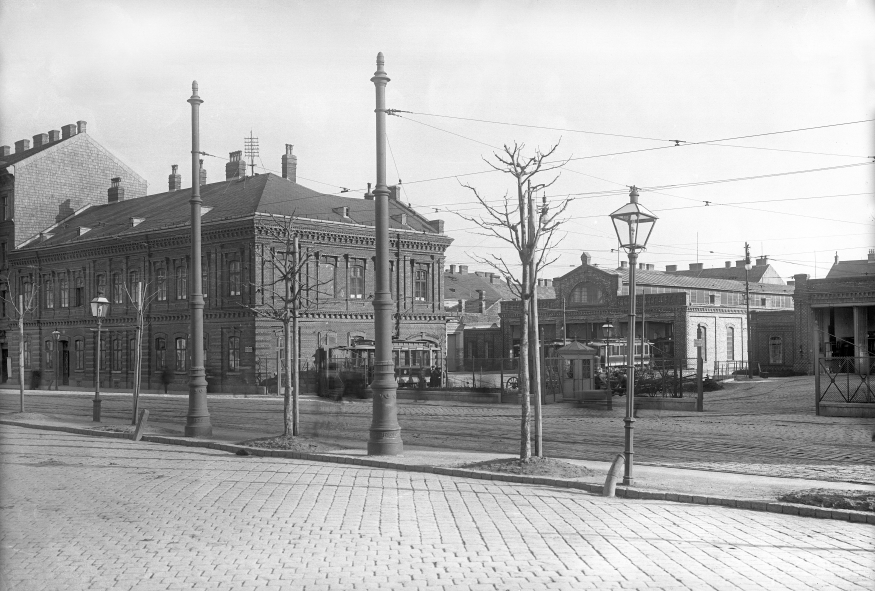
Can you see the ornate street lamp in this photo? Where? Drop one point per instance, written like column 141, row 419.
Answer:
column 99, row 309
column 747, row 306
column 385, row 434
column 56, row 334
column 633, row 223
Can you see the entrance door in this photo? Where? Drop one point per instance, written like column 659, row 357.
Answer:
column 5, row 375
column 65, row 363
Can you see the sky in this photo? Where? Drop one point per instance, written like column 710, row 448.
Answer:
column 613, row 83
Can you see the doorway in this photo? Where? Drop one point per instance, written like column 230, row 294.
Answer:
column 5, row 358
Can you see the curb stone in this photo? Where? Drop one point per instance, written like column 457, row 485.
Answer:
column 763, row 506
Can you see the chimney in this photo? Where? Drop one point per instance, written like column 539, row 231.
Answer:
column 762, row 262
column 481, row 295
column 791, row 282
column 80, row 126
column 290, row 164
column 461, row 305
column 395, row 193
column 872, row 255
column 369, row 196
column 835, row 262
column 671, row 268
column 481, row 303
column 728, row 264
column 174, row 181
column 203, row 173
column 54, row 135
column 463, row 269
column 452, row 269
column 236, row 167
column 651, row 267
column 437, row 225
column 739, row 264
column 116, row 192
column 624, row 264
column 697, row 266
column 5, row 150
column 40, row 139
column 641, row 266
column 68, row 131
column 585, row 258
column 22, row 145
column 548, row 283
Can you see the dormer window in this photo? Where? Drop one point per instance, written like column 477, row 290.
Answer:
column 83, row 230
column 137, row 221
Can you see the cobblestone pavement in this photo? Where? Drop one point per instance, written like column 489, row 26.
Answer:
column 85, row 513
column 764, row 428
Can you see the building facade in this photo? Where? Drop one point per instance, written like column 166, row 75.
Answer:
column 111, row 247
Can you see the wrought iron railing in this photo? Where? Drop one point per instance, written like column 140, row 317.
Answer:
column 846, row 379
column 727, row 369
column 496, row 364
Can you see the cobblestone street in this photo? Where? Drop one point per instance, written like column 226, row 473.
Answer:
column 86, row 513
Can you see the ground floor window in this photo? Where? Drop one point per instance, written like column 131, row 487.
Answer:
column 233, row 353
column 180, row 354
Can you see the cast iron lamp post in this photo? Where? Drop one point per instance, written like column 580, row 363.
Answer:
column 747, row 306
column 607, row 327
column 385, row 434
column 99, row 309
column 632, row 222
column 56, row 335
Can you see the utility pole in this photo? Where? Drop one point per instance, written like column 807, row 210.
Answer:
column 385, row 432
column 747, row 306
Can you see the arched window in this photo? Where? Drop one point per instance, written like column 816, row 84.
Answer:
column 776, row 350
column 234, row 278
column 64, row 285
column 181, row 355
column 160, row 353
column 49, row 292
column 101, row 284
column 730, row 343
column 356, row 282
column 118, row 290
column 327, row 269
column 27, row 350
column 79, row 349
column 181, row 283
column 50, row 355
column 586, row 294
column 134, row 286
column 117, row 354
column 161, row 283
column 79, row 298
column 233, row 353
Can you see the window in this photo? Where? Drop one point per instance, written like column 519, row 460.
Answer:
column 118, row 290
column 356, row 282
column 2, row 253
column 763, row 302
column 79, row 353
column 234, row 278
column 233, row 353
column 27, row 290
column 776, row 350
column 161, row 281
column 117, row 354
column 79, row 293
column 50, row 355
column 326, row 272
column 50, row 292
column 101, row 284
column 586, row 294
column 65, row 291
column 181, row 283
column 27, row 351
column 730, row 343
column 420, row 284
column 702, row 333
column 180, row 354
column 134, row 286
column 160, row 353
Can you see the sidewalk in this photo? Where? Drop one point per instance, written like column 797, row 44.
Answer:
column 650, row 482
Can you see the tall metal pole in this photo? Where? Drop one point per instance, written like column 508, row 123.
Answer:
column 385, row 434
column 95, row 407
column 21, row 351
column 630, row 378
column 198, row 420
column 294, row 340
column 747, row 306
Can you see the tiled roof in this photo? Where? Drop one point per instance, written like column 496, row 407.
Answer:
column 658, row 278
column 851, row 269
column 263, row 193
column 464, row 286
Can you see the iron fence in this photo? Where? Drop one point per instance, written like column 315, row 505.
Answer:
column 846, row 379
column 487, row 364
column 727, row 369
column 668, row 378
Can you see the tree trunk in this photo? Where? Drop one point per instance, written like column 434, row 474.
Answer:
column 525, row 423
column 536, row 363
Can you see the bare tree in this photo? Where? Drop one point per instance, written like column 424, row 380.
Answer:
column 531, row 234
column 140, row 297
column 285, row 302
column 22, row 303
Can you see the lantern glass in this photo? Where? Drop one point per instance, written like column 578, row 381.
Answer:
column 99, row 307
column 633, row 224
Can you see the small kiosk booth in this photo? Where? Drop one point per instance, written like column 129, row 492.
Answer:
column 578, row 366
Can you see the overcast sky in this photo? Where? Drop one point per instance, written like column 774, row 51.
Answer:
column 299, row 73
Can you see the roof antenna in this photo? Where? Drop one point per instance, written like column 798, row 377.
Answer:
column 251, row 144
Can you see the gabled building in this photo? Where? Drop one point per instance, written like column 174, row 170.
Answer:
column 111, row 246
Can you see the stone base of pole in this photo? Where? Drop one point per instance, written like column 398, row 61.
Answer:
column 627, row 476
column 197, row 422
column 385, row 433
column 95, row 410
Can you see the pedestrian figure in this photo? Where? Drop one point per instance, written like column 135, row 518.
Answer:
column 166, row 378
